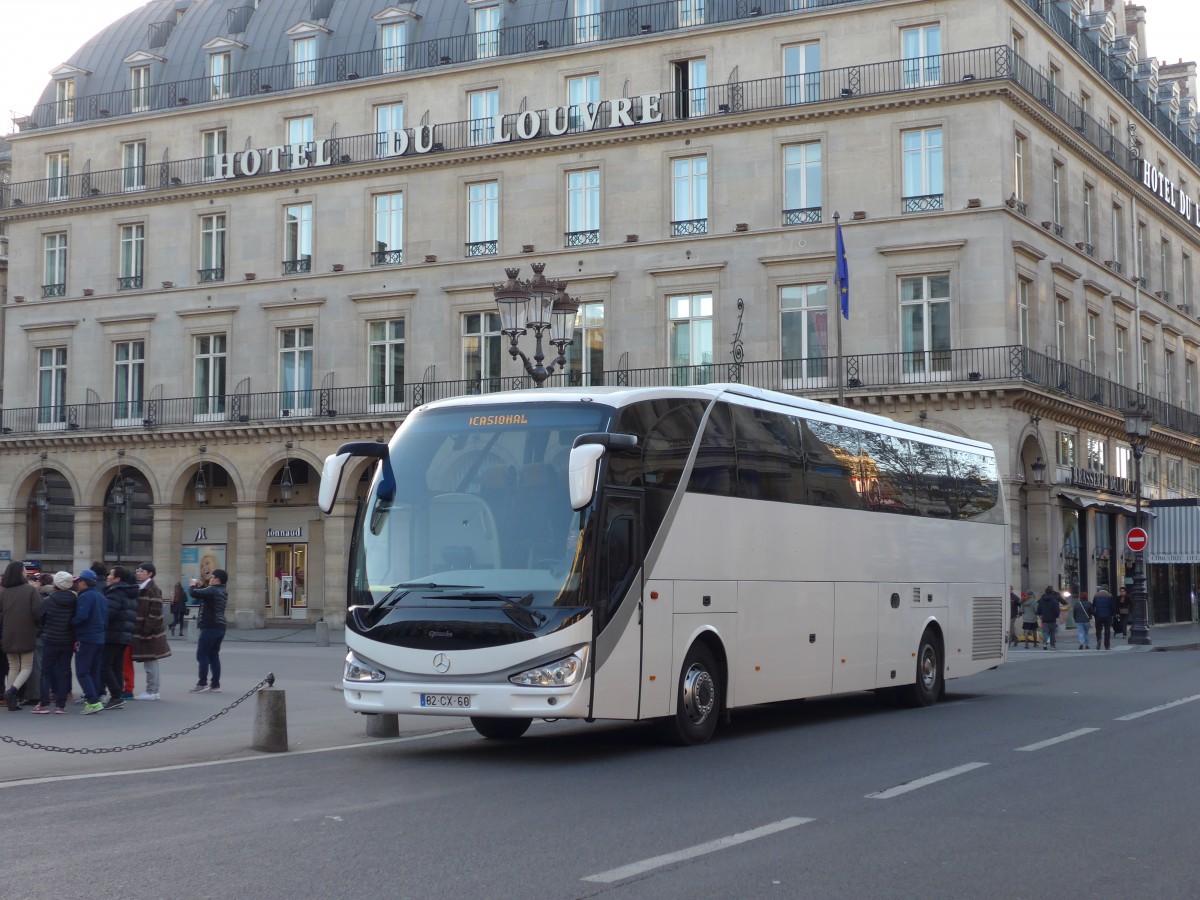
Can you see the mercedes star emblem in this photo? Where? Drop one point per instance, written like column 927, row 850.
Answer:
column 441, row 662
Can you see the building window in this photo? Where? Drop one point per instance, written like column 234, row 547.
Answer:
column 299, row 138
column 481, row 348
column 296, row 369
column 1093, row 329
column 1089, row 224
column 691, row 87
column 1056, row 182
column 1194, row 480
column 583, row 93
column 925, row 323
column 689, row 192
column 139, row 88
column 1096, row 448
column 585, row 357
column 485, row 106
column 922, row 150
column 802, row 72
column 389, row 118
column 1174, row 470
column 483, row 218
column 212, row 248
column 690, row 334
column 1062, row 317
column 54, row 271
column 52, row 386
column 1144, row 383
column 304, row 62
column 58, row 173
column 218, row 76
column 389, row 230
column 1185, row 284
column 487, row 32
column 133, row 254
column 1168, row 393
column 804, row 330
column 1023, row 288
column 583, row 208
column 1164, row 271
column 1122, row 347
column 587, row 20
column 385, row 362
column 1118, row 238
column 212, row 148
column 64, row 100
column 1065, row 448
column 133, row 166
column 921, row 47
column 1189, row 385
column 1123, row 461
column 691, row 12
column 802, row 183
column 208, row 384
column 129, row 362
column 297, row 238
column 1139, row 251
column 1019, row 169
column 392, row 39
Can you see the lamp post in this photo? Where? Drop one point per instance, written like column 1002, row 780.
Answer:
column 1137, row 430
column 1039, row 471
column 544, row 306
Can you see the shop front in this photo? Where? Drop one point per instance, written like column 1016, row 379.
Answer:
column 287, row 572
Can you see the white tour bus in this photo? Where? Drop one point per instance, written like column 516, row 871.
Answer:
column 664, row 553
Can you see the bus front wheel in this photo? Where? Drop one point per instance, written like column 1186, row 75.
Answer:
column 500, row 729
column 928, row 686
column 698, row 703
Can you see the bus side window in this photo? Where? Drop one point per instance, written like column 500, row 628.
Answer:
column 620, row 550
column 768, row 456
column 715, row 469
column 831, row 453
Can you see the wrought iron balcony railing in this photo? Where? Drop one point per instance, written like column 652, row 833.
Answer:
column 387, row 257
column 297, row 266
column 211, row 275
column 924, row 203
column 581, row 238
column 129, row 283
column 810, row 215
column 689, row 226
column 54, row 290
column 481, row 248
column 870, row 373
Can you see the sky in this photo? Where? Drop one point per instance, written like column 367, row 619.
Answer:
column 38, row 35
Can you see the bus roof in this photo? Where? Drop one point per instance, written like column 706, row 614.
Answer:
column 623, row 396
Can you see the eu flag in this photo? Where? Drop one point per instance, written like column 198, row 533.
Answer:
column 843, row 274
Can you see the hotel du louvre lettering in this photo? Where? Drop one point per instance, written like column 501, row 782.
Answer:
column 1167, row 191
column 529, row 124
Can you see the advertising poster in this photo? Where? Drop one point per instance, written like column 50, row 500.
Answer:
column 198, row 561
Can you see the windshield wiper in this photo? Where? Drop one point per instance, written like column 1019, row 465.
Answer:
column 399, row 591
column 521, row 603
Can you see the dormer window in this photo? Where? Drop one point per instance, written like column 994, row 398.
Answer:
column 392, row 39
column 64, row 100
column 139, row 88
column 304, row 62
column 218, row 75
column 487, row 32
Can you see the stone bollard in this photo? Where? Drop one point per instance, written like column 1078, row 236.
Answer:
column 270, row 721
column 383, row 725
column 322, row 633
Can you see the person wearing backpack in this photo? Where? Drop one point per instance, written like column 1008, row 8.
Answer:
column 1082, row 611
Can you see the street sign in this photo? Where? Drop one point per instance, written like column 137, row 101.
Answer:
column 1136, row 540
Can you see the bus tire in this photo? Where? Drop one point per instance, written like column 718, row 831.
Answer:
column 928, row 687
column 500, row 729
column 698, row 700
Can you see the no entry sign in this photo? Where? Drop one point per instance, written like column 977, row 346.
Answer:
column 1136, row 540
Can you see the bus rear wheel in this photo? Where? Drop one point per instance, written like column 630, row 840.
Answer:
column 500, row 729
column 698, row 703
column 928, row 686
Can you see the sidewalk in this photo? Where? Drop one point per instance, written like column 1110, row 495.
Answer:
column 1185, row 636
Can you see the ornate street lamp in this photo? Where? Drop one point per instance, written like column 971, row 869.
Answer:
column 41, row 494
column 1039, row 471
column 1137, row 429
column 285, row 476
column 539, row 304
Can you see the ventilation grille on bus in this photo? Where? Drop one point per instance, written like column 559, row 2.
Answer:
column 987, row 628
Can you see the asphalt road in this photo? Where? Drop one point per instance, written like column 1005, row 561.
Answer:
column 1069, row 774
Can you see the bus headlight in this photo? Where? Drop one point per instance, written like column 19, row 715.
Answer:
column 357, row 670
column 560, row 673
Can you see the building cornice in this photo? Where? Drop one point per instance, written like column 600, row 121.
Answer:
column 928, row 247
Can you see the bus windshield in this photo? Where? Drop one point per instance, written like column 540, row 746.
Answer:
column 481, row 507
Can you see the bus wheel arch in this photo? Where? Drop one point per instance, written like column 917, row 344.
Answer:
column 930, row 677
column 700, row 692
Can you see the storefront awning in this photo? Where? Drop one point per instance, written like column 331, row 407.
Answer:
column 1175, row 534
column 1103, row 505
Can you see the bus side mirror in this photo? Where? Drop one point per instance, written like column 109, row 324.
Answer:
column 331, row 480
column 583, row 467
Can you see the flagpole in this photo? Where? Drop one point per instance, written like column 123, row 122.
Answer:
column 837, row 314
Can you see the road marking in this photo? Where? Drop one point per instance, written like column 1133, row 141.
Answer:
column 54, row 779
column 1154, row 709
column 924, row 782
column 1070, row 735
column 667, row 859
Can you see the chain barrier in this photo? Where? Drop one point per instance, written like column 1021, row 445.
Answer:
column 280, row 637
column 269, row 681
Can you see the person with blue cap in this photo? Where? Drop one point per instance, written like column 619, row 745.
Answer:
column 90, row 624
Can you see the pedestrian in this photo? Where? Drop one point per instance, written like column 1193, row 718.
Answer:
column 1048, row 607
column 121, row 595
column 178, row 609
column 1082, row 611
column 20, row 618
column 1106, row 607
column 90, row 623
column 1029, row 608
column 1124, row 612
column 58, row 644
column 149, row 633
column 1014, row 613
column 211, row 623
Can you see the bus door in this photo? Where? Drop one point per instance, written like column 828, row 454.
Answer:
column 617, row 645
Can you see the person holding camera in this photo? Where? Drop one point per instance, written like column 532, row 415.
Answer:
column 211, row 624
